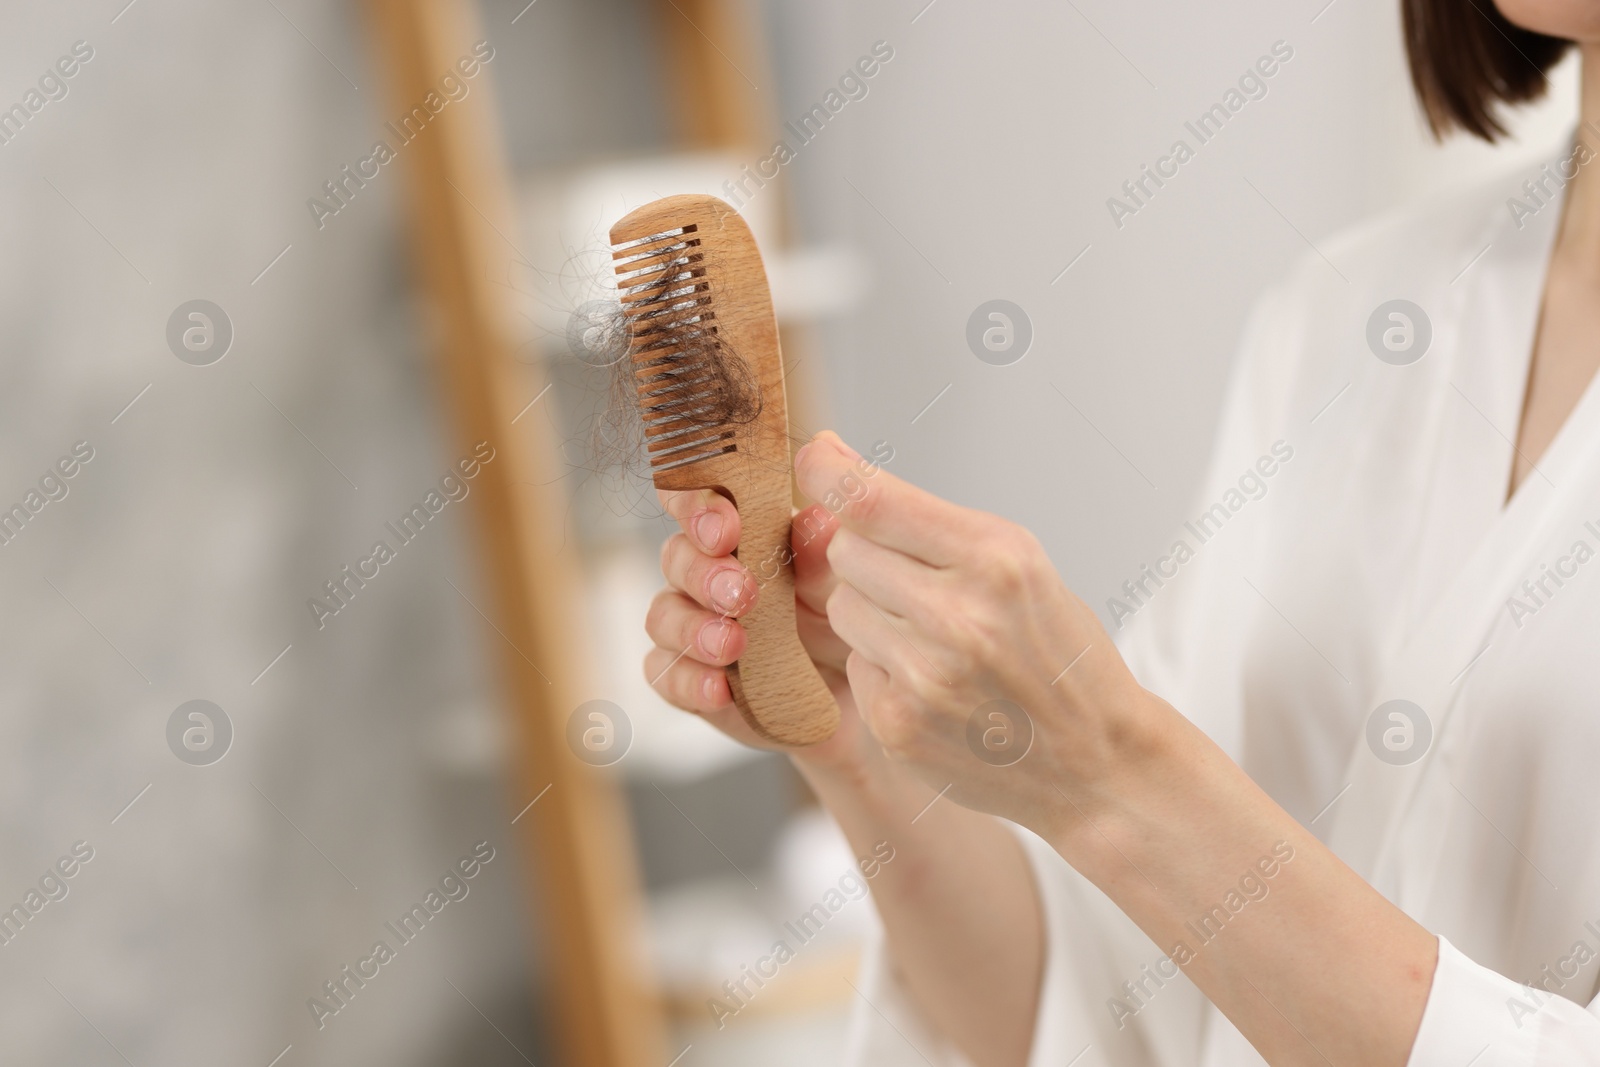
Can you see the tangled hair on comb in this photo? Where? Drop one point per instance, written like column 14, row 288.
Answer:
column 644, row 360
column 675, row 379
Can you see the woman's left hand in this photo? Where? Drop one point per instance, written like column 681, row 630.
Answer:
column 972, row 662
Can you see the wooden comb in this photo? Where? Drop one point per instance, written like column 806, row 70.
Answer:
column 700, row 323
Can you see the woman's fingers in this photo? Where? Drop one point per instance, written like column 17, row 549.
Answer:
column 676, row 622
column 894, row 581
column 708, row 518
column 715, row 582
column 810, row 532
column 880, row 506
column 685, row 682
column 867, row 629
column 871, row 685
column 825, row 647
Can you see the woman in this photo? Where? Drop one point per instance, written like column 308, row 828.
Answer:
column 1395, row 642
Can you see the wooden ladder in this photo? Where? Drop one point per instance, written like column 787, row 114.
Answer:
column 601, row 1003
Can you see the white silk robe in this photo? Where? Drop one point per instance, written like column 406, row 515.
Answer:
column 1380, row 562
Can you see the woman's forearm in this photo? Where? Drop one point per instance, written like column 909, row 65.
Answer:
column 958, row 903
column 1310, row 962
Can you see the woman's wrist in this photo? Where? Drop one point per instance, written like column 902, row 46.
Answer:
column 1171, row 820
column 1154, row 762
column 867, row 784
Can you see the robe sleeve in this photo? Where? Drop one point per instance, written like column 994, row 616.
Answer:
column 1478, row 1016
column 1106, row 985
column 1185, row 639
column 1091, row 949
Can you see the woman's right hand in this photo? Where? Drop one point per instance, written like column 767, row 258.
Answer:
column 694, row 623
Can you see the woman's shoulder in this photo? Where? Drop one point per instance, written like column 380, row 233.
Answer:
column 1304, row 329
column 1429, row 240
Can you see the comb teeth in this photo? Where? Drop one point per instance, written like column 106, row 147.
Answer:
column 666, row 303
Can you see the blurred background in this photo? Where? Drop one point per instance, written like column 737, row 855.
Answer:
column 346, row 763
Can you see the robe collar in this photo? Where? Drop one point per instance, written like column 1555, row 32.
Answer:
column 1495, row 321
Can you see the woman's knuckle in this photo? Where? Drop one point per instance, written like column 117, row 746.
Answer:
column 837, row 550
column 686, row 685
column 655, row 675
column 1035, row 561
column 656, row 615
column 1002, row 569
column 922, row 684
column 864, row 505
column 895, row 722
column 1005, row 571
column 691, row 688
column 678, row 559
column 834, row 606
column 943, row 621
column 987, row 636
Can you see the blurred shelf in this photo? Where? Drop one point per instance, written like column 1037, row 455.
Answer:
column 716, row 931
column 807, row 984
column 566, row 215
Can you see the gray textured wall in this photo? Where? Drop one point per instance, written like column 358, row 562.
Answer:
column 178, row 566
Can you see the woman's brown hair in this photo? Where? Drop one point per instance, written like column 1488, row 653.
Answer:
column 1467, row 58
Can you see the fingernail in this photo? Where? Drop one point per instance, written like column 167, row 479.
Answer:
column 708, row 528
column 801, row 455
column 714, row 637
column 708, row 689
column 727, row 590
